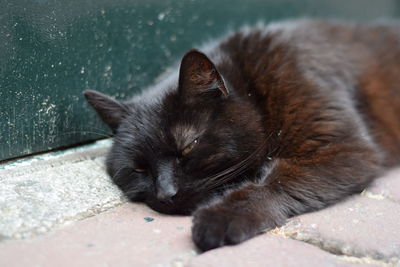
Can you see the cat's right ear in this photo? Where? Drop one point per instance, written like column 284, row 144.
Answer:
column 199, row 76
column 110, row 110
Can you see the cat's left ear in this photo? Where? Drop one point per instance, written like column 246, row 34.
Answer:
column 199, row 76
column 110, row 110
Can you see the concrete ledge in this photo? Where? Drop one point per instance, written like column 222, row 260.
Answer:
column 42, row 192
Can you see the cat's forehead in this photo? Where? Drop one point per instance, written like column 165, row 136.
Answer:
column 154, row 122
column 184, row 134
column 164, row 119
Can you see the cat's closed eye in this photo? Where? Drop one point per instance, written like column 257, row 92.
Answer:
column 190, row 147
column 139, row 170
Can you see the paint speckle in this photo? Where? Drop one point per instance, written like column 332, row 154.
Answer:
column 157, row 231
column 148, row 219
column 209, row 22
column 161, row 16
column 172, row 38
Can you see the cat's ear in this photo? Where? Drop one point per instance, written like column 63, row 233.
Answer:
column 110, row 110
column 198, row 76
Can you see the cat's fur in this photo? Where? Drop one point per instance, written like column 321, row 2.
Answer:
column 288, row 118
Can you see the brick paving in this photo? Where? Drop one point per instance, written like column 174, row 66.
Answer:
column 360, row 227
column 388, row 187
column 270, row 250
column 123, row 236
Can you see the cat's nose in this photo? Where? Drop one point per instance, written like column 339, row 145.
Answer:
column 166, row 196
column 165, row 183
column 165, row 191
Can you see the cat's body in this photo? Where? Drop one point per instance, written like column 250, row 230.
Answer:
column 275, row 121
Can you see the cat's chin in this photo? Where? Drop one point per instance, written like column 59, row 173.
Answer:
column 170, row 208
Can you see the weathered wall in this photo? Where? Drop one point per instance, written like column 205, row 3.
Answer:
column 52, row 50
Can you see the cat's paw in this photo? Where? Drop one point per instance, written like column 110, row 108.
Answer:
column 214, row 228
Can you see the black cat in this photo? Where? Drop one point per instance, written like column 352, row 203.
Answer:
column 270, row 122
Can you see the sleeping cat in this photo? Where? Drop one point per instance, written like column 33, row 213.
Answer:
column 270, row 122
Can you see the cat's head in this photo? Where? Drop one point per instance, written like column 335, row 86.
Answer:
column 187, row 144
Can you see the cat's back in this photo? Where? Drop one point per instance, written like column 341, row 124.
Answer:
column 373, row 55
column 359, row 63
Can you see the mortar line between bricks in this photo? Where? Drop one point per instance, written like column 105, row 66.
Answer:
column 368, row 194
column 335, row 248
column 366, row 260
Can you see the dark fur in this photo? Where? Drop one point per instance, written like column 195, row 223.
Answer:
column 288, row 120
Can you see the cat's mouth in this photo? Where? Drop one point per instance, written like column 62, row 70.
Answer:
column 169, row 207
column 180, row 204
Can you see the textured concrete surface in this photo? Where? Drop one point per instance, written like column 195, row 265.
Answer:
column 46, row 202
column 39, row 193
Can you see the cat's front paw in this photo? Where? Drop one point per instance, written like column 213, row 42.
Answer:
column 214, row 228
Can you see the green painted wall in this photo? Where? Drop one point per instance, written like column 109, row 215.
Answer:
column 51, row 50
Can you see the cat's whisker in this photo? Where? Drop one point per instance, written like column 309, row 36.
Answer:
column 229, row 177
column 231, row 172
column 106, row 135
column 118, row 171
column 97, row 130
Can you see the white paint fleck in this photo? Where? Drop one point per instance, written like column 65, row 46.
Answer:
column 209, row 22
column 172, row 38
column 157, row 231
column 161, row 16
